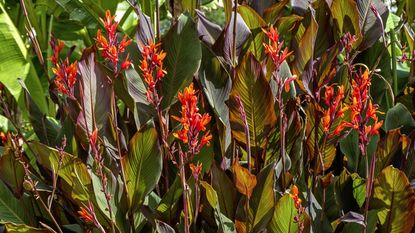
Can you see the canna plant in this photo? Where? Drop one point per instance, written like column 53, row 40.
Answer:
column 207, row 116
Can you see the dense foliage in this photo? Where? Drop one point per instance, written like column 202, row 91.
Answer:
column 207, row 116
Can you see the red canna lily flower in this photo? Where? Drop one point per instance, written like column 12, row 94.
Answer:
column 111, row 48
column 193, row 123
column 85, row 214
column 274, row 48
column 196, row 170
column 64, row 71
column 334, row 109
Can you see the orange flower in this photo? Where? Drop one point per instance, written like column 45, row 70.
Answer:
column 334, row 108
column 111, row 48
column 193, row 123
column 196, row 170
column 152, row 64
column 86, row 215
column 65, row 72
column 294, row 195
column 274, row 47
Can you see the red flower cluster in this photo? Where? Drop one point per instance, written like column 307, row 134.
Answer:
column 294, row 196
column 362, row 110
column 87, row 213
column 274, row 47
column 110, row 47
column 65, row 72
column 196, row 170
column 152, row 67
column 192, row 121
column 334, row 110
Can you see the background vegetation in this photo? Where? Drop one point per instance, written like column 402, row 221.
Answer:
column 198, row 116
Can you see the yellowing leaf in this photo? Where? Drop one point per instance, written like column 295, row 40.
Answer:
column 245, row 181
column 393, row 194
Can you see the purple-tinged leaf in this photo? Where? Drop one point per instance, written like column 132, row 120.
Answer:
column 353, row 217
column 144, row 32
column 207, row 30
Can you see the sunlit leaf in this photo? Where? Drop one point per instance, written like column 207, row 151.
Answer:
column 245, row 182
column 142, row 166
column 393, row 194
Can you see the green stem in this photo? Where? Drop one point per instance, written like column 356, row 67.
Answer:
column 394, row 71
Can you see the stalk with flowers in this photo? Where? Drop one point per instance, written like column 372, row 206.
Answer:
column 269, row 118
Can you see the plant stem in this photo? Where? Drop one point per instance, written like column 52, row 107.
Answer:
column 246, row 128
column 234, row 33
column 158, row 21
column 369, row 186
column 394, row 69
column 184, row 186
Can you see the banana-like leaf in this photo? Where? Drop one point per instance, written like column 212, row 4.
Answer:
column 15, row 64
column 226, row 191
column 399, row 116
column 22, row 228
column 272, row 12
column 395, row 198
column 346, row 15
column 256, row 96
column 262, row 202
column 255, row 24
column 95, row 93
column 12, row 209
column 224, row 223
column 387, row 147
column 73, row 173
column 283, row 218
column 142, row 166
column 183, row 58
column 12, row 172
column 86, row 12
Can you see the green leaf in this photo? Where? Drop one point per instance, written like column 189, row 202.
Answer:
column 263, row 201
column 142, row 166
column 171, row 197
column 256, row 96
column 183, row 58
column 226, row 191
column 387, row 147
column 346, row 15
column 393, row 194
column 224, row 223
column 359, row 189
column 11, row 209
column 397, row 117
column 12, row 172
column 162, row 227
column 304, row 53
column 46, row 128
column 73, row 173
column 272, row 12
column 372, row 27
column 255, row 24
column 86, row 12
column 21, row 228
column 283, row 218
column 15, row 64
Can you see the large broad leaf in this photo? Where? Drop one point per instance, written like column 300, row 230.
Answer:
column 225, row 43
column 15, row 64
column 393, row 194
column 271, row 13
column 399, row 116
column 144, row 32
column 11, row 209
column 256, row 96
column 12, row 172
column 371, row 25
column 346, row 15
column 86, row 12
column 168, row 202
column 207, row 30
column 224, row 223
column 263, row 199
column 183, row 58
column 283, row 218
column 304, row 53
column 95, row 94
column 142, row 166
column 226, row 191
column 257, row 37
column 387, row 147
column 46, row 128
column 22, row 228
column 217, row 85
column 73, row 173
